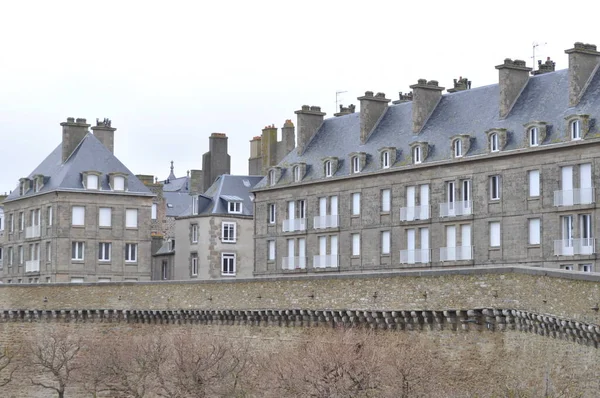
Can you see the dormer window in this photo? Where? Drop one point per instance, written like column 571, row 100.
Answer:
column 575, row 129
column 296, row 173
column 358, row 161
column 195, row 205
column 119, row 183
column 494, row 147
column 457, row 147
column 328, row 168
column 355, row 165
column 533, row 136
column 416, row 154
column 385, row 160
column 92, row 181
column 235, row 207
column 273, row 175
column 272, row 179
column 24, row 185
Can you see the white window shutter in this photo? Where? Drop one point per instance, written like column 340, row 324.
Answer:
column 534, row 183
column 494, row 234
column 131, row 218
column 105, row 216
column 78, row 215
column 534, row 231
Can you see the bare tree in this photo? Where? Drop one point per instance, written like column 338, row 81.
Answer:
column 54, row 359
column 7, row 365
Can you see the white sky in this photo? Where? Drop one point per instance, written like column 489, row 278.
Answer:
column 170, row 73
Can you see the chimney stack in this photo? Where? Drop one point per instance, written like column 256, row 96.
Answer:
column 216, row 161
column 196, row 182
column 460, row 84
column 403, row 98
column 545, row 67
column 345, row 110
column 371, row 109
column 255, row 160
column 288, row 136
column 105, row 133
column 513, row 76
column 73, row 132
column 426, row 95
column 309, row 120
column 583, row 60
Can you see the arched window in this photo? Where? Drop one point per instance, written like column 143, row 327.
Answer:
column 457, row 148
column 417, row 155
column 494, row 142
column 328, row 169
column 576, row 129
column 272, row 180
column 533, row 136
column 385, row 159
column 92, row 181
column 355, row 164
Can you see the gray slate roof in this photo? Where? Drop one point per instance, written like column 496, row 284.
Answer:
column 226, row 187
column 177, row 202
column 180, row 184
column 545, row 98
column 89, row 155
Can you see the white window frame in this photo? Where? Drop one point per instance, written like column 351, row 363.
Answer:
column 272, row 213
column 75, row 218
column 101, row 222
column 385, row 160
column 296, row 173
column 271, row 250
column 229, row 256
column 131, row 218
column 534, row 231
column 494, row 144
column 386, row 242
column 355, row 241
column 328, row 168
column 164, row 270
column 194, row 265
column 234, row 207
column 231, row 227
column 77, row 251
column 575, row 129
column 495, row 187
column 457, row 146
column 533, row 137
column 119, row 183
column 355, row 164
column 49, row 215
column 386, row 200
column 92, row 182
column 272, row 177
column 22, row 221
column 154, row 211
column 417, row 155
column 131, row 252
column 102, row 246
column 194, row 233
column 495, row 234
column 534, row 183
column 355, row 204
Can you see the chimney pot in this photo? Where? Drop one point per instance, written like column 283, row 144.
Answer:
column 70, row 120
column 433, row 83
column 368, row 93
column 80, row 120
column 305, row 107
column 422, row 81
column 380, row 95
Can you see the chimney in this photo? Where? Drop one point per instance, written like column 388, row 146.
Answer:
column 105, row 133
column 146, row 179
column 269, row 146
column 73, row 132
column 513, row 76
column 426, row 95
column 583, row 60
column 403, row 98
column 216, row 161
column 545, row 67
column 255, row 160
column 196, row 182
column 288, row 136
column 345, row 110
column 371, row 109
column 309, row 120
column 460, row 84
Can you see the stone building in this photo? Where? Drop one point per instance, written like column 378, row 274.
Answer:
column 266, row 151
column 496, row 175
column 2, row 197
column 214, row 237
column 80, row 216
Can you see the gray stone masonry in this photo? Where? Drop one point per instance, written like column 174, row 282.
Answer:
column 73, row 131
column 513, row 77
column 426, row 95
column 583, row 60
column 371, row 109
column 310, row 119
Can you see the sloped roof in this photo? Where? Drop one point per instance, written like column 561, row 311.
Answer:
column 226, row 187
column 176, row 202
column 180, row 184
column 90, row 155
column 545, row 98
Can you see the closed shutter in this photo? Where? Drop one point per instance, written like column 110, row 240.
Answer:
column 534, row 231
column 494, row 234
column 534, row 183
column 131, row 218
column 78, row 215
column 105, row 216
column 385, row 242
column 385, row 200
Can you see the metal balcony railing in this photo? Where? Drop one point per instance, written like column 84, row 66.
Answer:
column 579, row 196
column 418, row 256
column 296, row 224
column 571, row 247
column 330, row 221
column 326, row 261
column 294, row 262
column 460, row 208
column 457, row 253
column 414, row 213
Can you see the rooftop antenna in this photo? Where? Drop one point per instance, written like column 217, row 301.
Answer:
column 534, row 46
column 337, row 94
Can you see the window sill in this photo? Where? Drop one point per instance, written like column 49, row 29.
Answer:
column 353, row 257
column 104, row 261
column 536, row 246
column 77, row 261
column 385, row 213
column 533, row 198
column 131, row 228
column 355, row 216
column 131, row 263
column 228, row 275
column 494, row 248
column 385, row 254
column 105, row 226
column 228, row 241
column 494, row 201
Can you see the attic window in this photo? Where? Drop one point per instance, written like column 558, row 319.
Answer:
column 575, row 129
column 298, row 172
column 195, row 205
column 272, row 179
column 457, row 146
column 494, row 147
column 417, row 155
column 533, row 136
column 355, row 164
column 235, row 207
column 385, row 159
column 91, row 181
column 328, row 168
column 119, row 183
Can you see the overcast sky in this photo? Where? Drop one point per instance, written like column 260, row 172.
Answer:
column 170, row 73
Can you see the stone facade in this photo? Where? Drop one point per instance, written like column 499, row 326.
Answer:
column 266, row 151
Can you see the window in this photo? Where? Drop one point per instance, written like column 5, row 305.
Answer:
column 495, row 187
column 385, row 200
column 119, row 182
column 385, row 242
column 385, row 159
column 296, row 173
column 21, row 221
column 131, row 218
column 356, row 203
column 194, row 233
column 328, row 169
column 417, row 155
column 234, row 207
column 494, row 142
column 77, row 249
column 103, row 280
column 78, row 215
column 165, row 270
column 566, row 267
column 194, row 266
column 49, row 215
column 457, row 148
column 534, row 231
column 92, row 181
column 131, row 252
column 104, row 249
column 227, row 264
column 10, row 256
column 272, row 177
column 575, row 130
column 586, row 231
column 153, row 212
column 533, row 136
column 450, row 192
column 355, row 164
column 48, row 252
column 11, row 225
column 0, row 257
column 194, row 205
column 171, row 245
column 272, row 214
column 105, row 217
column 21, row 255
column 271, row 250
column 495, row 234
column 356, row 244
column 585, row 267
column 76, row 280
column 534, row 183
column 228, row 232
